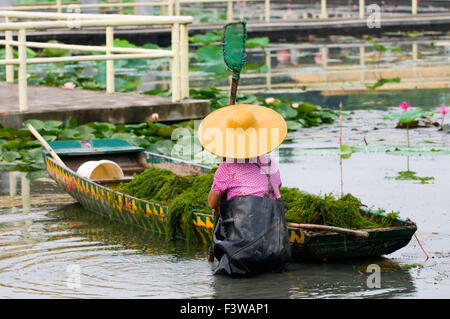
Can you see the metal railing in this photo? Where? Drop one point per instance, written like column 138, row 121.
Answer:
column 173, row 7
column 178, row 52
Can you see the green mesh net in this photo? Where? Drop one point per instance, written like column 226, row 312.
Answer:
column 234, row 37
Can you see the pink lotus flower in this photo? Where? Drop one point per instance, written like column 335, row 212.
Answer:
column 69, row 85
column 444, row 110
column 404, row 105
column 155, row 117
column 295, row 105
column 270, row 100
column 283, row 56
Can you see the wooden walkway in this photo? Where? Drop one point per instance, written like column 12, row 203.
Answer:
column 274, row 30
column 49, row 103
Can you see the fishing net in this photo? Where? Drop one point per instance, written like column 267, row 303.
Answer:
column 234, row 37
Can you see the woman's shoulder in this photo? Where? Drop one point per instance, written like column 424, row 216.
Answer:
column 259, row 161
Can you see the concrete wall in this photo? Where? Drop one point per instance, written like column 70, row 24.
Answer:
column 90, row 10
column 144, row 10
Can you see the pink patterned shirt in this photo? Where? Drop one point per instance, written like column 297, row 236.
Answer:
column 241, row 179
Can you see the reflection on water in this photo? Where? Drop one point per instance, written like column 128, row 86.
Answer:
column 324, row 280
column 428, row 99
column 328, row 70
column 43, row 239
column 411, row 175
column 321, row 70
column 114, row 261
column 39, row 247
column 122, row 261
column 302, row 279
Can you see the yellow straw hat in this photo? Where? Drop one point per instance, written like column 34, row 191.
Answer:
column 242, row 131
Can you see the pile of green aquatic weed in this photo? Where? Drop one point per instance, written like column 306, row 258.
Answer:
column 193, row 199
column 186, row 195
column 301, row 207
column 156, row 185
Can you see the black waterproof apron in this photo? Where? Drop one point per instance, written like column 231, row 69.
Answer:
column 251, row 235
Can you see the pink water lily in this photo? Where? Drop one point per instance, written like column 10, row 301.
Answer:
column 444, row 110
column 295, row 105
column 155, row 117
column 69, row 85
column 270, row 100
column 404, row 105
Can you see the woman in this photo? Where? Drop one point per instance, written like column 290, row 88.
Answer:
column 251, row 234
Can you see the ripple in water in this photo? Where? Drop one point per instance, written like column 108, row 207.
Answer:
column 41, row 253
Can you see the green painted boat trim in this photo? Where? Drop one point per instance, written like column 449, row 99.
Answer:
column 101, row 146
column 150, row 216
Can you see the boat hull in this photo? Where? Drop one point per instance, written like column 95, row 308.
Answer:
column 150, row 216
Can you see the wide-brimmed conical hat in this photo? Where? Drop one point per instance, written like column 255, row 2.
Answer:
column 242, row 131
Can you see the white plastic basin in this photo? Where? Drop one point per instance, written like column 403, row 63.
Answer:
column 103, row 169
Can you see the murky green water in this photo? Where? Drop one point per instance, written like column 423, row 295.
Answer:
column 51, row 248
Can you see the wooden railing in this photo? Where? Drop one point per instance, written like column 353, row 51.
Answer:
column 178, row 52
column 173, row 7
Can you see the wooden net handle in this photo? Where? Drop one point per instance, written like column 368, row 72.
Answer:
column 357, row 233
column 44, row 143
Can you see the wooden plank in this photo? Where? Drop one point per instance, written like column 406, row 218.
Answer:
column 49, row 103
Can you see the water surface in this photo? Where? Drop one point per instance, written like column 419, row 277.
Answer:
column 45, row 243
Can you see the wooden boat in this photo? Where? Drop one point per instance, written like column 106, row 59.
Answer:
column 98, row 196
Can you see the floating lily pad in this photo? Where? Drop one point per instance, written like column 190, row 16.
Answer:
column 261, row 42
column 411, row 176
column 407, row 115
column 206, row 38
column 37, row 124
column 420, row 150
column 10, row 156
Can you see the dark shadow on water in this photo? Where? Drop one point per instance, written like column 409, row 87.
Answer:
column 331, row 279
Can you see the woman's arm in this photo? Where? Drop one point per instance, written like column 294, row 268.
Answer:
column 214, row 199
